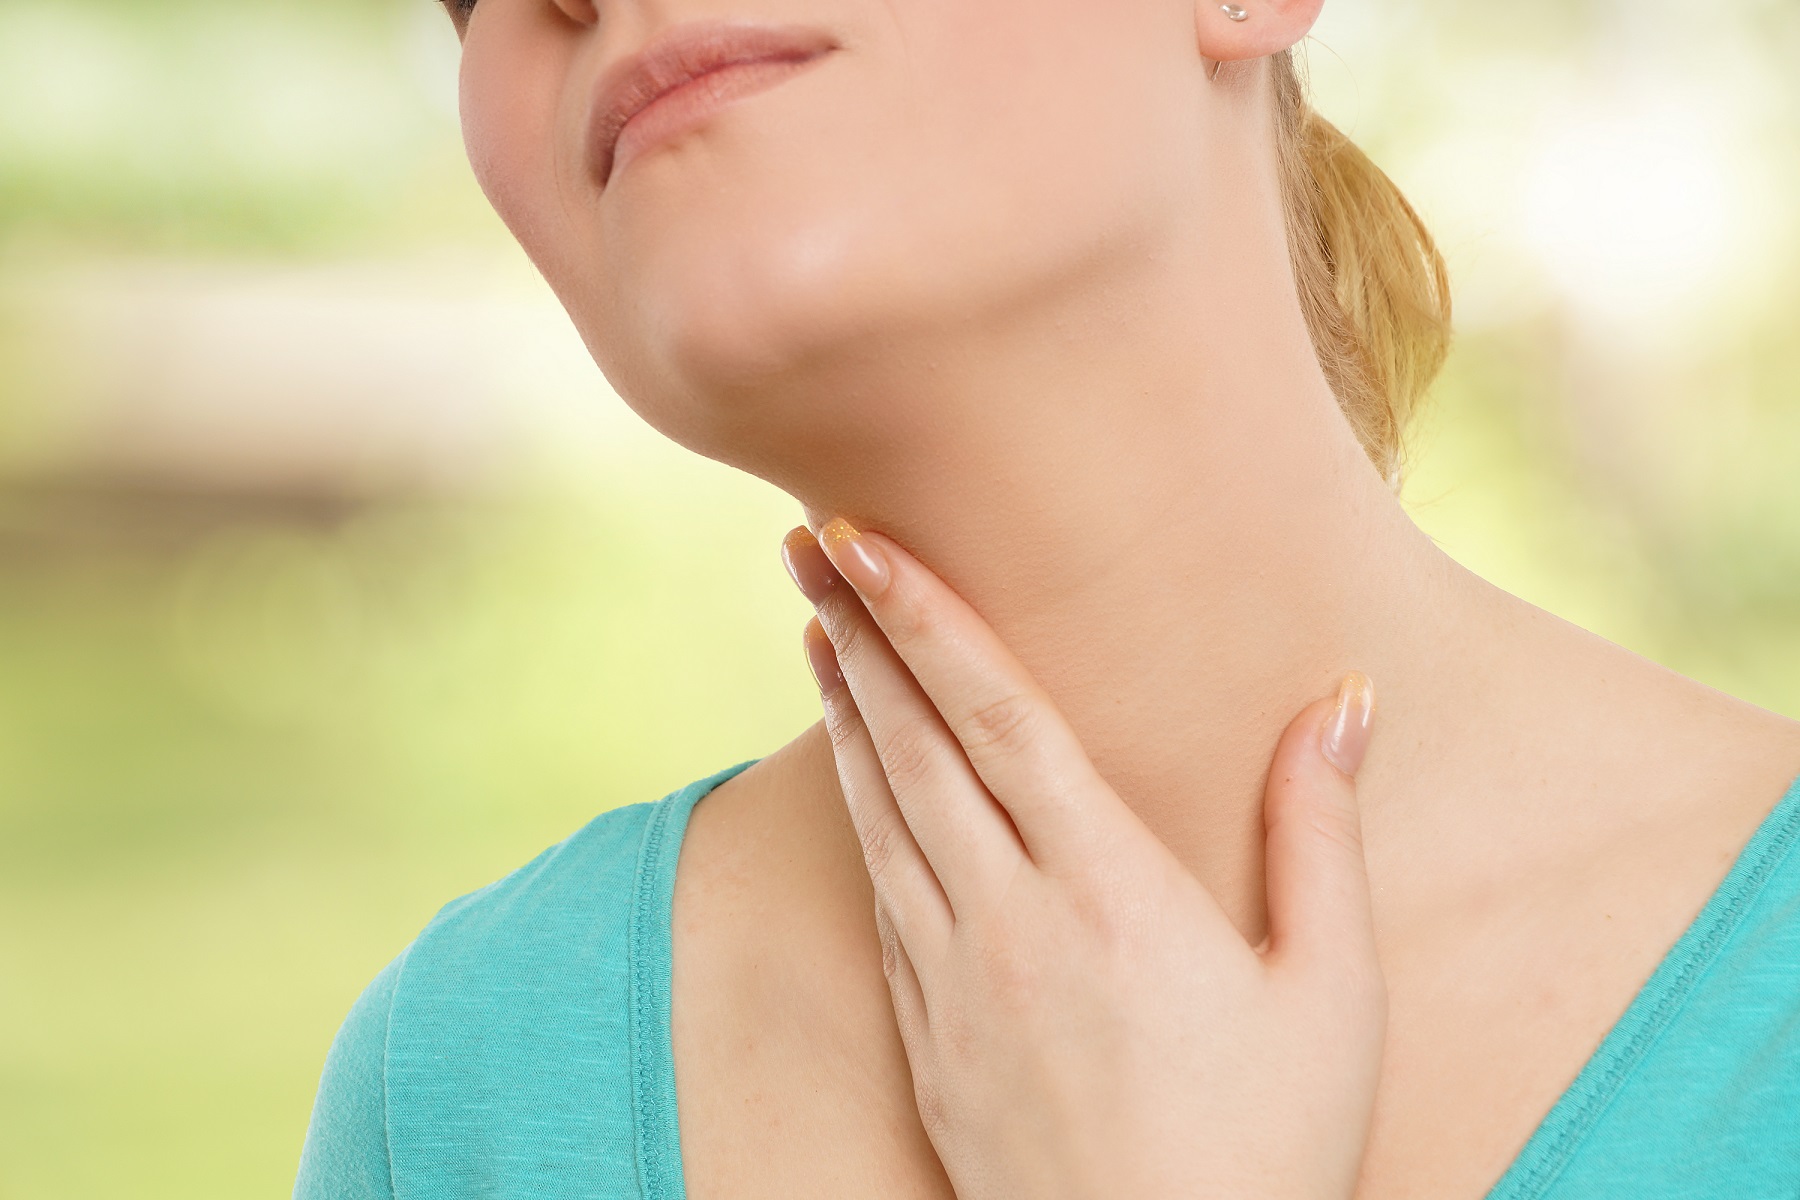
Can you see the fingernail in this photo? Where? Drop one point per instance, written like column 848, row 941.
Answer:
column 822, row 658
column 1346, row 734
column 855, row 557
column 812, row 572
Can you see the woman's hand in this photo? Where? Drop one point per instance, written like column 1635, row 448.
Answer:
column 1081, row 1018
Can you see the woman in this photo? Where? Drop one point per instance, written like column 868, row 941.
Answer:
column 1087, row 351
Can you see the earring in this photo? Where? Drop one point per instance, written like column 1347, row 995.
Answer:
column 1235, row 13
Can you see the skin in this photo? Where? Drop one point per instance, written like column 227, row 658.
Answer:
column 1081, row 1018
column 1007, row 283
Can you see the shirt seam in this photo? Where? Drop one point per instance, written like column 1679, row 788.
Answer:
column 1741, row 888
column 387, row 1037
column 646, row 1109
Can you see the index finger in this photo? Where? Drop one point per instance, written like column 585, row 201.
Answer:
column 896, row 756
column 1011, row 731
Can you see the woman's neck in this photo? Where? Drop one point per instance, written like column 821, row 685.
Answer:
column 1183, row 556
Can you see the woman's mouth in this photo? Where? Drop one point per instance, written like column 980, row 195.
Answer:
column 681, row 77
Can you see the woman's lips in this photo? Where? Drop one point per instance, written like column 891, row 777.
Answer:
column 684, row 76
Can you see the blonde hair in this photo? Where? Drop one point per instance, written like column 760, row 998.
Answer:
column 1373, row 287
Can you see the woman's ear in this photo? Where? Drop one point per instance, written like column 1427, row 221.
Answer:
column 1252, row 28
column 582, row 12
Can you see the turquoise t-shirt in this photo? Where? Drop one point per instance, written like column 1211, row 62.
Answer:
column 519, row 1047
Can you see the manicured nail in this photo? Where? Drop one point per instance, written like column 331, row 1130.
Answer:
column 822, row 658
column 855, row 557
column 1346, row 734
column 812, row 572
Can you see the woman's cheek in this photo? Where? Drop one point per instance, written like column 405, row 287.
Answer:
column 509, row 131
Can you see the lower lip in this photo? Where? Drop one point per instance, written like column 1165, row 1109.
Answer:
column 680, row 109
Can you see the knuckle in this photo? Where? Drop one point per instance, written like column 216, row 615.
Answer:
column 891, row 948
column 907, row 616
column 844, row 724
column 1338, row 825
column 959, row 1039
column 1120, row 926
column 910, row 753
column 1109, row 922
column 1011, row 973
column 934, row 1105
column 850, row 640
column 879, row 836
column 1005, row 727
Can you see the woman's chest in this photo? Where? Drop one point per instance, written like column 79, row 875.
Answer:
column 793, row 1082
column 1508, row 997
column 796, row 1084
column 791, row 1077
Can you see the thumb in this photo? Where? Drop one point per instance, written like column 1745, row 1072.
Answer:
column 1318, row 888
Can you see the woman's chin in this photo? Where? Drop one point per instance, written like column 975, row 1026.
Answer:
column 750, row 377
column 736, row 328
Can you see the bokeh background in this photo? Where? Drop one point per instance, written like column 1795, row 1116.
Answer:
column 334, row 583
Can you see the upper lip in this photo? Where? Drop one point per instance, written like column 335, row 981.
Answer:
column 683, row 53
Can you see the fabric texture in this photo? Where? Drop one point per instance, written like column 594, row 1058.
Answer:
column 519, row 1047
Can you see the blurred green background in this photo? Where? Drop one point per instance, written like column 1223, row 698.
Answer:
column 334, row 583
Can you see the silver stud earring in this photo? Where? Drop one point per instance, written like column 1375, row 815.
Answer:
column 1236, row 13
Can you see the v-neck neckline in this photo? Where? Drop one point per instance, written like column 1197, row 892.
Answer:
column 1565, row 1128
column 1552, row 1144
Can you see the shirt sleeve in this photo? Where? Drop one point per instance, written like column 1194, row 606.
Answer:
column 346, row 1152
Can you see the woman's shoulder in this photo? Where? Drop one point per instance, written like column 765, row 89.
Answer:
column 499, row 1040
column 549, row 923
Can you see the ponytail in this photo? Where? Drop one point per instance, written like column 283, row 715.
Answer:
column 1372, row 285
